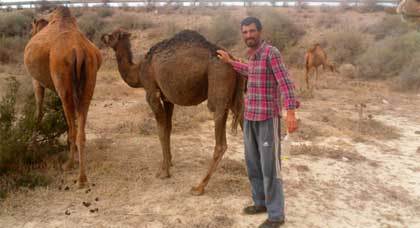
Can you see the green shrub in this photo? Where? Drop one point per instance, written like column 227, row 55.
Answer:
column 278, row 29
column 345, row 45
column 224, row 30
column 17, row 127
column 390, row 25
column 387, row 58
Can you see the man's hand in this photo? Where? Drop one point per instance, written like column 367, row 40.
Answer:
column 224, row 56
column 291, row 121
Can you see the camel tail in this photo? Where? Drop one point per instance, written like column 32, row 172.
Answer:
column 78, row 77
column 238, row 104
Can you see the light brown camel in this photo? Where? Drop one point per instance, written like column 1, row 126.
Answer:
column 410, row 10
column 183, row 70
column 314, row 58
column 59, row 57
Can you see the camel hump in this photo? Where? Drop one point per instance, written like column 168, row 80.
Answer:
column 190, row 37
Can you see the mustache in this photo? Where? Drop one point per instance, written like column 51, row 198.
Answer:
column 250, row 39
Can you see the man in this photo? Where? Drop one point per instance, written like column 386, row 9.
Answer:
column 267, row 80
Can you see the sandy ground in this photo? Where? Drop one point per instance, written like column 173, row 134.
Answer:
column 335, row 176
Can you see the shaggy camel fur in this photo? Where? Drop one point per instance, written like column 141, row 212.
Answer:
column 183, row 70
column 314, row 58
column 59, row 57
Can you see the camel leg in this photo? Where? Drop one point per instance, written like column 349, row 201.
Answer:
column 39, row 99
column 219, row 150
column 307, row 77
column 80, row 143
column 169, row 108
column 69, row 113
column 39, row 92
column 163, row 131
column 316, row 77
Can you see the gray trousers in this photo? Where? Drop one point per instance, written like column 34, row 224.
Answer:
column 262, row 155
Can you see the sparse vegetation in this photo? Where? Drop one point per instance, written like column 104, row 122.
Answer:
column 14, row 30
column 132, row 22
column 390, row 25
column 17, row 152
column 279, row 30
column 15, row 23
column 224, row 30
column 389, row 57
column 409, row 77
column 328, row 20
column 345, row 45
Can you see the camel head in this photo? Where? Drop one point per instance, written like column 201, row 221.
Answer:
column 112, row 39
column 409, row 10
column 38, row 25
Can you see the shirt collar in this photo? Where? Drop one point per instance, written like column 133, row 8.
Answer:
column 251, row 52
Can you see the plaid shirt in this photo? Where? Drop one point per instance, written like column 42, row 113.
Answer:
column 267, row 77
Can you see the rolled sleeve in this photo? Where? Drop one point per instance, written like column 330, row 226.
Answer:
column 241, row 68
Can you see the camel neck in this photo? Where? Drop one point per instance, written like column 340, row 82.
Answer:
column 129, row 71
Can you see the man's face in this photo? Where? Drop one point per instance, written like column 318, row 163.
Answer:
column 251, row 35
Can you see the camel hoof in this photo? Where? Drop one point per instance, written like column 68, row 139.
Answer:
column 197, row 191
column 68, row 165
column 163, row 174
column 82, row 183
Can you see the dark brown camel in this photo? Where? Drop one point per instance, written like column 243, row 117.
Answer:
column 183, row 70
column 59, row 57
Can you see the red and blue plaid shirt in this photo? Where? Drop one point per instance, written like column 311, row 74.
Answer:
column 268, row 79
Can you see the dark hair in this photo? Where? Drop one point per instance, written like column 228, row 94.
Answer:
column 252, row 20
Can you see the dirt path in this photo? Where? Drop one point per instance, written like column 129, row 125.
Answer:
column 337, row 178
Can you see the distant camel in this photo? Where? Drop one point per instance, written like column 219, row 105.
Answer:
column 314, row 58
column 59, row 57
column 183, row 70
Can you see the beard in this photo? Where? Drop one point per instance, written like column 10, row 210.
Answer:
column 251, row 42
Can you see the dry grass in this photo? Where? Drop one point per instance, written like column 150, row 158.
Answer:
column 345, row 44
column 279, row 30
column 388, row 57
column 319, row 152
column 390, row 25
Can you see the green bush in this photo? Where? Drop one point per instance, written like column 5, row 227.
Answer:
column 224, row 31
column 390, row 25
column 278, row 29
column 389, row 57
column 345, row 45
column 17, row 127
